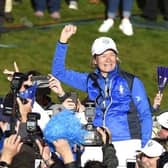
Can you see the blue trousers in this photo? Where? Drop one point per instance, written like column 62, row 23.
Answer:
column 42, row 5
column 113, row 6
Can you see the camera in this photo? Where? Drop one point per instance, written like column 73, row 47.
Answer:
column 33, row 130
column 41, row 80
column 92, row 138
column 32, row 124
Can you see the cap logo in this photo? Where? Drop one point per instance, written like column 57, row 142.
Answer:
column 150, row 144
column 105, row 41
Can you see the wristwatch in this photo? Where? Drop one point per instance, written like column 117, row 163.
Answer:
column 3, row 164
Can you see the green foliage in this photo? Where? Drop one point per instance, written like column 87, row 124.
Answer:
column 33, row 48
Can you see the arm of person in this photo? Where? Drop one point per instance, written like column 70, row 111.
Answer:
column 73, row 78
column 55, row 86
column 157, row 101
column 143, row 107
column 45, row 153
column 11, row 147
column 24, row 109
column 109, row 153
column 63, row 148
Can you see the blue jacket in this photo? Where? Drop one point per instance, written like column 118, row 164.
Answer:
column 112, row 96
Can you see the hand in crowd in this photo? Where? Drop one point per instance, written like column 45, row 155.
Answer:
column 11, row 147
column 24, row 109
column 157, row 100
column 55, row 86
column 45, row 152
column 63, row 148
column 105, row 135
column 10, row 73
column 80, row 106
column 69, row 104
column 67, row 32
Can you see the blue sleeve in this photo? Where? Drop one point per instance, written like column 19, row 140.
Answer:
column 72, row 78
column 144, row 111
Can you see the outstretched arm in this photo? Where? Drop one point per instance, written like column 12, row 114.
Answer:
column 67, row 76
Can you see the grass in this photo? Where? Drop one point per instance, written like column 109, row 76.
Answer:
column 33, row 48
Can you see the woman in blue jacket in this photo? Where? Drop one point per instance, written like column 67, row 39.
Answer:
column 123, row 109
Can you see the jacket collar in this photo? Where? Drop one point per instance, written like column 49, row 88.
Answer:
column 112, row 73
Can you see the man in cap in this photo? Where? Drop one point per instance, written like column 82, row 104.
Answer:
column 153, row 155
column 160, row 132
column 116, row 94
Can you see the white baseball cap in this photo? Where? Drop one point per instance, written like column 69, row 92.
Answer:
column 153, row 149
column 101, row 44
column 163, row 119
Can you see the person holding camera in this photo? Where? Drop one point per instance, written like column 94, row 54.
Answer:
column 26, row 88
column 120, row 97
column 67, row 100
column 62, row 147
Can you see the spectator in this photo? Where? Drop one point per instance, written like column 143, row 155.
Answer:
column 2, row 5
column 112, row 8
column 4, row 126
column 150, row 10
column 11, row 147
column 153, row 155
column 30, row 89
column 160, row 131
column 109, row 89
column 52, row 5
column 65, row 99
column 8, row 11
column 63, row 148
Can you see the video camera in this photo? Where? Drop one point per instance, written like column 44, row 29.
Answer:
column 92, row 138
column 31, row 124
column 41, row 80
column 33, row 130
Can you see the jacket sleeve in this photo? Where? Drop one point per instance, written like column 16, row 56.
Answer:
column 144, row 111
column 72, row 78
column 109, row 156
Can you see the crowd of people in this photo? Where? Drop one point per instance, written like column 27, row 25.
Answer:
column 116, row 118
column 113, row 8
column 114, row 127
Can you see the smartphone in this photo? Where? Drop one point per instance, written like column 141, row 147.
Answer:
column 74, row 97
column 131, row 163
